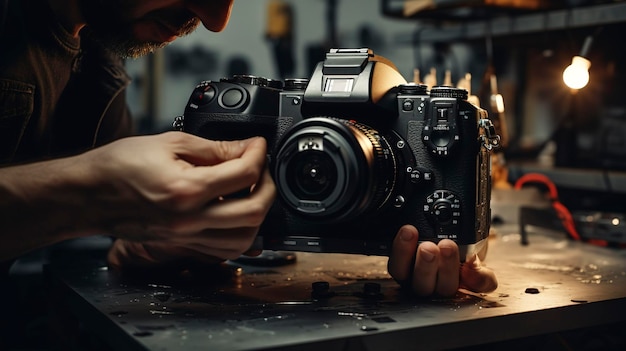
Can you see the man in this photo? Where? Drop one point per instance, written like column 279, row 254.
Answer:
column 72, row 171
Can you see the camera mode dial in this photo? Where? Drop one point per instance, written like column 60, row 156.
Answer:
column 296, row 84
column 413, row 89
column 443, row 208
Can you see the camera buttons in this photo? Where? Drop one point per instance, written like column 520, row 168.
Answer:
column 399, row 201
column 203, row 95
column 232, row 98
column 296, row 101
column 417, row 175
column 407, row 105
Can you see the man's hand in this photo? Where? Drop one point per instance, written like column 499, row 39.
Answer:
column 168, row 190
column 166, row 197
column 430, row 268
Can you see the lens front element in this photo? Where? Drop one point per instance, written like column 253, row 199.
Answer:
column 312, row 175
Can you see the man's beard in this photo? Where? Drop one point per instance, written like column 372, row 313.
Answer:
column 107, row 24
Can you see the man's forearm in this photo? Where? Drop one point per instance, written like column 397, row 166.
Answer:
column 41, row 204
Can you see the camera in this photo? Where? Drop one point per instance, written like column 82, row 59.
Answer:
column 356, row 152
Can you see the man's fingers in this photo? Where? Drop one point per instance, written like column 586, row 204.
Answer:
column 426, row 267
column 245, row 212
column 402, row 258
column 203, row 152
column 237, row 174
column 448, row 273
column 245, row 168
column 476, row 277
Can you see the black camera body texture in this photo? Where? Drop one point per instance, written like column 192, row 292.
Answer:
column 356, row 152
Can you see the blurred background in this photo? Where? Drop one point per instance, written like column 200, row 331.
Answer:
column 262, row 36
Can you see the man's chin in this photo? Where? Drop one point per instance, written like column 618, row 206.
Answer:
column 138, row 51
column 133, row 49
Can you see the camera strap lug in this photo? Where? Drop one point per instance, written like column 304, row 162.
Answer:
column 487, row 133
column 179, row 123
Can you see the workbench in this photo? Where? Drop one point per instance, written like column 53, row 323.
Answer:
column 348, row 302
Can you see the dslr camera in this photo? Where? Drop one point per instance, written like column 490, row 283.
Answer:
column 356, row 152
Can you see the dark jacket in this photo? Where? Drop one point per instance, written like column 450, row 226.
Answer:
column 59, row 95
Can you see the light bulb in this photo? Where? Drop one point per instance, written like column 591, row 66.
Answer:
column 576, row 75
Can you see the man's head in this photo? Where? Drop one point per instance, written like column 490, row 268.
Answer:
column 132, row 28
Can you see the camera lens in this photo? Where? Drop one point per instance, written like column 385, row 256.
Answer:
column 334, row 169
column 312, row 175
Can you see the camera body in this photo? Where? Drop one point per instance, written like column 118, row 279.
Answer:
column 356, row 152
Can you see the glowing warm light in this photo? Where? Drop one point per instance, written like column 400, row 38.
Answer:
column 576, row 75
column 615, row 221
column 498, row 102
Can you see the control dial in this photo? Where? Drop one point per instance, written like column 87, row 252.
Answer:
column 443, row 208
column 448, row 92
column 254, row 80
column 295, row 84
column 246, row 79
column 413, row 89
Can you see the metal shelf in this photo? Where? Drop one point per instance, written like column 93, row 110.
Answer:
column 520, row 24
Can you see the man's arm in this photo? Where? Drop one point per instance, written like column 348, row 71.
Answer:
column 164, row 189
column 42, row 204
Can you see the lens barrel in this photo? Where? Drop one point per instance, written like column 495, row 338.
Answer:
column 334, row 169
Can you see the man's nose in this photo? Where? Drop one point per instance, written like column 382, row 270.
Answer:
column 214, row 14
